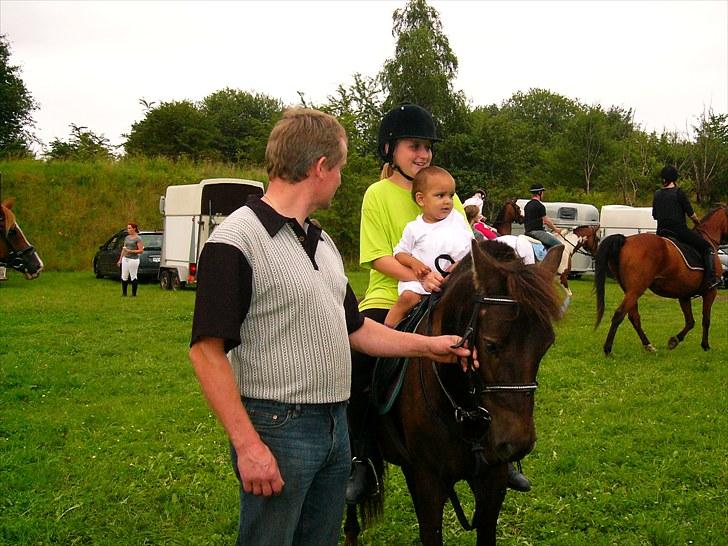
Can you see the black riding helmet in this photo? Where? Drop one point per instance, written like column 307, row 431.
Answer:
column 404, row 121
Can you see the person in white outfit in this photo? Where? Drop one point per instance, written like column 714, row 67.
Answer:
column 129, row 259
column 439, row 230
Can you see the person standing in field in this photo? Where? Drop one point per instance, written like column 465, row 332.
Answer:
column 274, row 322
column 129, row 259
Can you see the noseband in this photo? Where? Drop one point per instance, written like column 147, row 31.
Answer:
column 16, row 258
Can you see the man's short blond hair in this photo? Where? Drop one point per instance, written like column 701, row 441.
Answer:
column 299, row 140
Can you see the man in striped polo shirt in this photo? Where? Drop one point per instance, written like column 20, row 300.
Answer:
column 274, row 322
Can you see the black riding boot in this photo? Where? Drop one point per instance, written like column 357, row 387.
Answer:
column 710, row 280
column 134, row 285
column 516, row 480
column 124, row 284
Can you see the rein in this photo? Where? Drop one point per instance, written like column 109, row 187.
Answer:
column 478, row 415
column 475, row 385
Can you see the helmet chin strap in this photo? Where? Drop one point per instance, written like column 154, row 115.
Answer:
column 400, row 171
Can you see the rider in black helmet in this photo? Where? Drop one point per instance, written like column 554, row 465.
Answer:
column 405, row 139
column 670, row 205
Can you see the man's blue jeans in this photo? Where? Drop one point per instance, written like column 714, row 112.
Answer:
column 311, row 444
column 545, row 237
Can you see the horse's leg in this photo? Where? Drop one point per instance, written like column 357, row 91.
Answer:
column 636, row 320
column 628, row 303
column 351, row 526
column 489, row 491
column 687, row 309
column 428, row 495
column 708, row 300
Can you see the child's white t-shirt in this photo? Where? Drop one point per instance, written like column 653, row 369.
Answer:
column 425, row 241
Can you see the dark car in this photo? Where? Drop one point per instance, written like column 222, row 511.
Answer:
column 108, row 254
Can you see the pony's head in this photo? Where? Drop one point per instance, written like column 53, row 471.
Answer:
column 715, row 224
column 16, row 251
column 511, row 308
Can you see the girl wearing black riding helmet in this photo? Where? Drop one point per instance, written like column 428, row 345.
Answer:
column 406, row 137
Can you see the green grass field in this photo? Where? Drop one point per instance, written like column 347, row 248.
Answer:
column 106, row 439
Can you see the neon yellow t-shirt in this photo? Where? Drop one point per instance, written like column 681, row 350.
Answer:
column 385, row 211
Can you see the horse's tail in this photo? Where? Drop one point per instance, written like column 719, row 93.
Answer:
column 608, row 253
column 371, row 508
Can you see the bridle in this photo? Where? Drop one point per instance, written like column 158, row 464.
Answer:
column 475, row 413
column 16, row 259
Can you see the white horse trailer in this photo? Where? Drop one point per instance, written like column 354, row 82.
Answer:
column 569, row 216
column 626, row 220
column 191, row 213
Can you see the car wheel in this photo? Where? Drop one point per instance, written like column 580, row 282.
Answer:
column 177, row 284
column 97, row 272
column 165, row 281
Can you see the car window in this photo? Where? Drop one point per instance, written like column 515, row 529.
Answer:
column 152, row 241
column 120, row 241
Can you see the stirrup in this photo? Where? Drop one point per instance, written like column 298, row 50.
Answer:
column 368, row 461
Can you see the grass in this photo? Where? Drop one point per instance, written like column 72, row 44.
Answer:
column 106, row 439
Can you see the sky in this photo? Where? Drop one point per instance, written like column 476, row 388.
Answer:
column 88, row 63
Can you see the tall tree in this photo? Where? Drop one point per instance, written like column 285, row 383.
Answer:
column 175, row 130
column 709, row 157
column 16, row 106
column 359, row 108
column 424, row 66
column 82, row 145
column 242, row 121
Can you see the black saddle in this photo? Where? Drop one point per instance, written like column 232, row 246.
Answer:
column 389, row 372
column 693, row 258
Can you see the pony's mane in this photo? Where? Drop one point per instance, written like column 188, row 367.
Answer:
column 529, row 285
column 714, row 211
column 500, row 216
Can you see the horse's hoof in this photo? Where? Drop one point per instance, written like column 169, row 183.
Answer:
column 705, row 347
column 672, row 343
column 650, row 348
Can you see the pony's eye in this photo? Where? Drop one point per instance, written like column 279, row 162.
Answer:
column 490, row 346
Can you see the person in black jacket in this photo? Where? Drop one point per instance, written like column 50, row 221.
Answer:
column 670, row 205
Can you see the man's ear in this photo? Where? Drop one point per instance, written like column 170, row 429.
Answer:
column 319, row 165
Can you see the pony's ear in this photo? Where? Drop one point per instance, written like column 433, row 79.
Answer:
column 552, row 260
column 9, row 202
column 484, row 267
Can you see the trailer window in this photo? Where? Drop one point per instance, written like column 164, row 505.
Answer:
column 223, row 199
column 567, row 213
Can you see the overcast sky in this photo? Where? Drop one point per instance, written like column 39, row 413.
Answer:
column 89, row 63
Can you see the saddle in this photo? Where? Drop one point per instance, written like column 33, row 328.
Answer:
column 389, row 372
column 692, row 258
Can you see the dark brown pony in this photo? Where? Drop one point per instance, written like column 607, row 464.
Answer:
column 447, row 425
column 15, row 250
column 647, row 261
column 508, row 213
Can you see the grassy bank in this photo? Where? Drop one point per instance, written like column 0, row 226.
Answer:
column 106, row 439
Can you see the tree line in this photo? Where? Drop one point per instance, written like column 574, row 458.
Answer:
column 583, row 152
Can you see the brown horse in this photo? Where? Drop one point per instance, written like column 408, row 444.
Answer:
column 581, row 239
column 447, row 425
column 508, row 213
column 649, row 261
column 15, row 250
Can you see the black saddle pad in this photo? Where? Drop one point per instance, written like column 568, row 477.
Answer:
column 693, row 258
column 389, row 372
